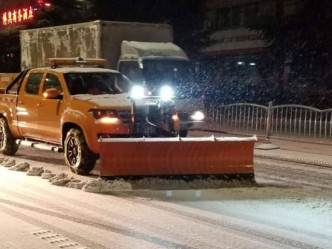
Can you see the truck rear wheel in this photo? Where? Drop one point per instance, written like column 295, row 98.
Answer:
column 77, row 154
column 8, row 144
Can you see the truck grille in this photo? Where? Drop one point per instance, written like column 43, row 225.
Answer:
column 183, row 116
column 125, row 116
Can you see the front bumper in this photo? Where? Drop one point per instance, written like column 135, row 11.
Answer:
column 192, row 125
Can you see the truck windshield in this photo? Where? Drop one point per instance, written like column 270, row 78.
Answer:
column 96, row 83
column 178, row 74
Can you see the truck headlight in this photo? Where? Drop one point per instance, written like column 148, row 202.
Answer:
column 105, row 116
column 198, row 116
column 137, row 92
column 166, row 93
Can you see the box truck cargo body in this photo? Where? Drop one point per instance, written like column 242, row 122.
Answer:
column 98, row 39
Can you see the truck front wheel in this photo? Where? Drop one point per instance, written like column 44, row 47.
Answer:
column 8, row 144
column 77, row 154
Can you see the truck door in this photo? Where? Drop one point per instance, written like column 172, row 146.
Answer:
column 28, row 104
column 50, row 110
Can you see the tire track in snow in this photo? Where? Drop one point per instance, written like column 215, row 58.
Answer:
column 61, row 209
column 244, row 230
column 115, row 229
column 38, row 223
column 209, row 222
column 265, row 235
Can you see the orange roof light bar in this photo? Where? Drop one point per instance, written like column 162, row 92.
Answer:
column 75, row 61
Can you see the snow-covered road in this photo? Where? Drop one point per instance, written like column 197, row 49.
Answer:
column 290, row 206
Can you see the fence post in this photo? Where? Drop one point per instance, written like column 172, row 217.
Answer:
column 268, row 121
column 268, row 145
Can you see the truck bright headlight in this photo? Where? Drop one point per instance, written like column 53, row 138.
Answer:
column 166, row 93
column 108, row 120
column 137, row 92
column 105, row 116
column 198, row 116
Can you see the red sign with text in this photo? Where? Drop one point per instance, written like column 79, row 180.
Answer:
column 17, row 16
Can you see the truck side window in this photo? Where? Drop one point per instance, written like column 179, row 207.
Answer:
column 33, row 83
column 52, row 81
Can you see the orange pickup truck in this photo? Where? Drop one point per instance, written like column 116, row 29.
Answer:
column 67, row 107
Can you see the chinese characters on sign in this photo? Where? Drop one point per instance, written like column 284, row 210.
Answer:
column 17, row 16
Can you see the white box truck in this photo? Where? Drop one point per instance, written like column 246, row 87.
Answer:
column 144, row 52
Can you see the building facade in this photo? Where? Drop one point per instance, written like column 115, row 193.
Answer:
column 238, row 64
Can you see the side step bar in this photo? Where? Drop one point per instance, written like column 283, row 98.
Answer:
column 39, row 145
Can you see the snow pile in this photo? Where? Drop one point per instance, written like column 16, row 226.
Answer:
column 47, row 174
column 93, row 186
column 102, row 186
column 120, row 185
column 35, row 171
column 20, row 167
column 8, row 162
column 77, row 184
column 206, row 183
column 60, row 179
column 12, row 165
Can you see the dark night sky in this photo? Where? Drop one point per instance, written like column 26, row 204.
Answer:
column 12, row 4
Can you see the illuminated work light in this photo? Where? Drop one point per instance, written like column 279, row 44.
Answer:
column 166, row 93
column 137, row 92
column 175, row 117
column 108, row 120
column 198, row 116
column 105, row 116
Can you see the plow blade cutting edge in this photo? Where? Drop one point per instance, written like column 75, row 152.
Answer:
column 140, row 157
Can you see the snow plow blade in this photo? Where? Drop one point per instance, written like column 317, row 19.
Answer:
column 225, row 157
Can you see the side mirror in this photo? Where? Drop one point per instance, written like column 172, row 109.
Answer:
column 52, row 93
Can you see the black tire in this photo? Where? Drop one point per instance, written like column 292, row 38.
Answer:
column 77, row 154
column 8, row 144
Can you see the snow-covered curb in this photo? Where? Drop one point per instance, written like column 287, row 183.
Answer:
column 62, row 179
